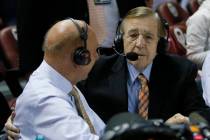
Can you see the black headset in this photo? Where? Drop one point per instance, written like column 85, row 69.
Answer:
column 161, row 46
column 118, row 40
column 81, row 55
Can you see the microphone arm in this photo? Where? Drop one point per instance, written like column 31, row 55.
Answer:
column 132, row 56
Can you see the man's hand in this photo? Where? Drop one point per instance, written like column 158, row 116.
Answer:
column 177, row 119
column 11, row 130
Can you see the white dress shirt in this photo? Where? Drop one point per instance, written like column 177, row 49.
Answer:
column 45, row 107
column 205, row 78
column 198, row 34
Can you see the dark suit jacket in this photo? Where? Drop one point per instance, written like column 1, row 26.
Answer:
column 171, row 84
column 35, row 17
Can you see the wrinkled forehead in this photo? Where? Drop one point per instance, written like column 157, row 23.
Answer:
column 144, row 25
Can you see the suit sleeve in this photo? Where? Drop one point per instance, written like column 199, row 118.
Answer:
column 194, row 101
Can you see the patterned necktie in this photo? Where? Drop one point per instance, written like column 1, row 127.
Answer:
column 81, row 109
column 143, row 97
column 97, row 20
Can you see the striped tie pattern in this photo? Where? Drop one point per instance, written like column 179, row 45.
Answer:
column 81, row 109
column 143, row 97
column 97, row 20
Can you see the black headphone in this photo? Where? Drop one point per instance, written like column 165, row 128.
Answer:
column 161, row 46
column 81, row 55
column 118, row 40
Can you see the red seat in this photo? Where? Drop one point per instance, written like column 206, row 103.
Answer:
column 177, row 39
column 172, row 12
column 8, row 44
column 10, row 58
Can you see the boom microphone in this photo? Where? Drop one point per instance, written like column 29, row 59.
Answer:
column 132, row 56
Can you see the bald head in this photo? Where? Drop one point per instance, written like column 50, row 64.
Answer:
column 61, row 34
column 60, row 44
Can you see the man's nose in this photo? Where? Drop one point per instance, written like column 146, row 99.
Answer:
column 140, row 42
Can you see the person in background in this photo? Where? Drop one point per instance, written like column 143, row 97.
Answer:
column 205, row 79
column 51, row 105
column 198, row 34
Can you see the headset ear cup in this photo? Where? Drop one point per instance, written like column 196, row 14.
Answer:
column 162, row 45
column 82, row 56
column 118, row 42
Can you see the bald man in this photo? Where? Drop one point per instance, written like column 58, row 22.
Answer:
column 49, row 102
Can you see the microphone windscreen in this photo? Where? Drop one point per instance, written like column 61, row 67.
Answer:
column 123, row 118
column 132, row 56
column 120, row 123
column 130, row 126
column 196, row 118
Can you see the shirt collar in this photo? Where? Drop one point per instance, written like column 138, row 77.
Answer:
column 56, row 78
column 133, row 72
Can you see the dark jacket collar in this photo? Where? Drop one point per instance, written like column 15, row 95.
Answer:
column 119, row 64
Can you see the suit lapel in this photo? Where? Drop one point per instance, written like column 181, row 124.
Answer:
column 158, row 88
column 119, row 88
